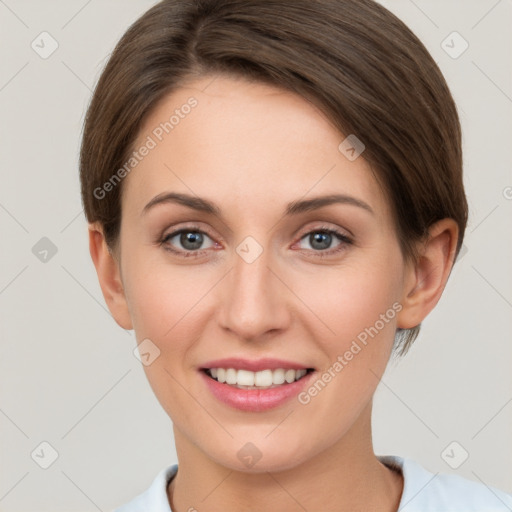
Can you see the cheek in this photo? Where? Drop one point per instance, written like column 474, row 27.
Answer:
column 167, row 304
column 158, row 294
column 350, row 299
column 359, row 307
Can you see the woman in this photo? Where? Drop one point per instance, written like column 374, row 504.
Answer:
column 275, row 198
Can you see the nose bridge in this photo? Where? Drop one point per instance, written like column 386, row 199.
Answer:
column 252, row 303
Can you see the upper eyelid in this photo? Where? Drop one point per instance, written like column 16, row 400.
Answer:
column 176, row 231
column 196, row 227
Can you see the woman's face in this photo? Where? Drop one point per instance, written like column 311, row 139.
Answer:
column 258, row 278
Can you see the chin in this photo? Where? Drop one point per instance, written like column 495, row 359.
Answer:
column 261, row 455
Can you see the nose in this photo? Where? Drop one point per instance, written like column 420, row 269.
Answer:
column 254, row 300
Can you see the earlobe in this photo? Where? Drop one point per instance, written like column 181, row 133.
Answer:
column 425, row 279
column 109, row 276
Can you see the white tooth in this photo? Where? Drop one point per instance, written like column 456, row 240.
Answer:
column 245, row 378
column 221, row 374
column 263, row 378
column 300, row 373
column 278, row 376
column 289, row 376
column 230, row 376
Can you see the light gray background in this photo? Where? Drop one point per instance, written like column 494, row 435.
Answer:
column 68, row 373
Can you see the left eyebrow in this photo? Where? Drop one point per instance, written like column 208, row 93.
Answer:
column 293, row 208
column 315, row 203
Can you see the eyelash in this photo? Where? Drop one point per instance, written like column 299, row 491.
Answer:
column 196, row 254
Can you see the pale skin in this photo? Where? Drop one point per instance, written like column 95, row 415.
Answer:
column 251, row 149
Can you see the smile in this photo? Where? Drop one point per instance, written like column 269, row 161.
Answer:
column 255, row 385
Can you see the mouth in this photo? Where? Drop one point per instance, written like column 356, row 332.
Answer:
column 255, row 385
column 258, row 380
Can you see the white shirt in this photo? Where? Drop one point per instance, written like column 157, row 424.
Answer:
column 423, row 491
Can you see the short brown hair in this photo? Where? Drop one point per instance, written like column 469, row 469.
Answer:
column 354, row 59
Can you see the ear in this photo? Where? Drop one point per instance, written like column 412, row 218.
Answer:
column 425, row 279
column 109, row 276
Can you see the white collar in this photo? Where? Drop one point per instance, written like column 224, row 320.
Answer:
column 423, row 491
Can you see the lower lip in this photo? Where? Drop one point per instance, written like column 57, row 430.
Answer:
column 255, row 400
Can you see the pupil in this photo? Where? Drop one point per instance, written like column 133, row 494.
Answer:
column 191, row 240
column 323, row 238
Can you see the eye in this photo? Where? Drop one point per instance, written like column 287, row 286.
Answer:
column 191, row 240
column 321, row 239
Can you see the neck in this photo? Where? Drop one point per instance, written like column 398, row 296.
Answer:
column 345, row 477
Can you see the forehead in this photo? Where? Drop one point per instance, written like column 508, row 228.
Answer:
column 228, row 138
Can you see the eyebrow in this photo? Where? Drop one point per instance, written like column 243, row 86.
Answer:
column 293, row 208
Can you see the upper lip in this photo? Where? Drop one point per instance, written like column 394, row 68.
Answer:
column 253, row 365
